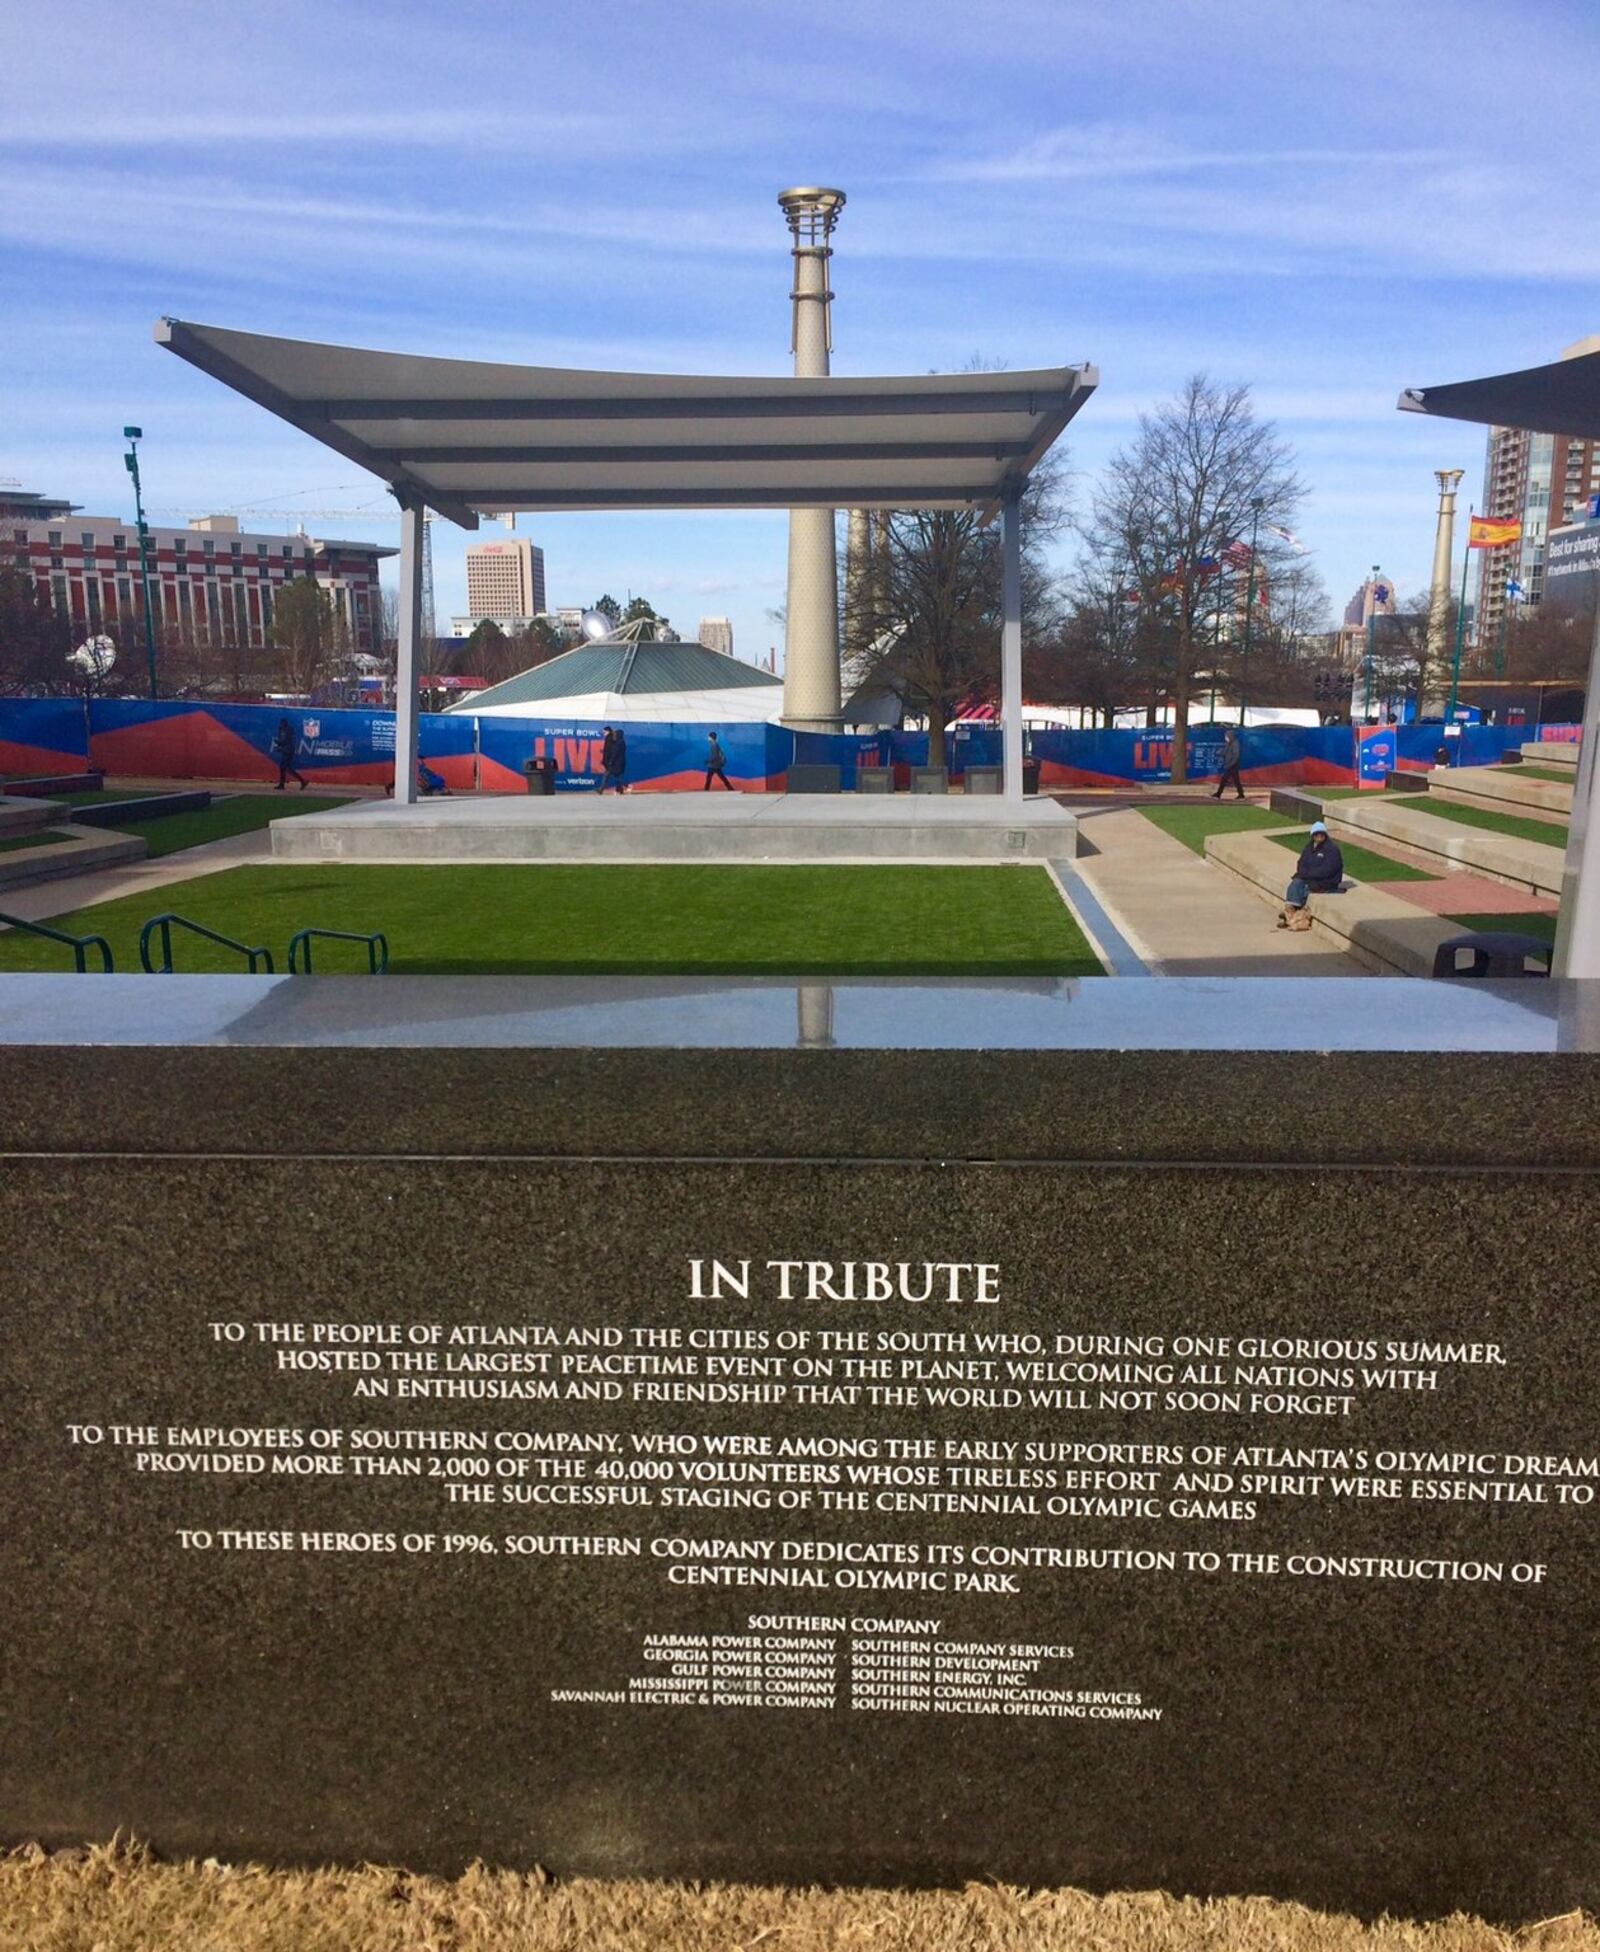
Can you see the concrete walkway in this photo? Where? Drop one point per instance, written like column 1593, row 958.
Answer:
column 49, row 898
column 1185, row 917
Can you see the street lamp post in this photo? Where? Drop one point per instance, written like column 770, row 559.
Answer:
column 1256, row 506
column 1224, row 521
column 133, row 436
column 1372, row 632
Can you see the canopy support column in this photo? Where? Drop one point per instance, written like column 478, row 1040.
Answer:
column 1578, row 925
column 1011, row 642
column 407, row 648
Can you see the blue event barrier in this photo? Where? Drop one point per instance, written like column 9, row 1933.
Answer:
column 196, row 739
column 43, row 735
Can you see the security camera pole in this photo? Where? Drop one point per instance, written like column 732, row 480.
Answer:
column 811, row 658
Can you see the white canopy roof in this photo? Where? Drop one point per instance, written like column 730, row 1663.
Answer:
column 463, row 436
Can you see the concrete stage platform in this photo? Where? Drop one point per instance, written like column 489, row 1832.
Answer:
column 718, row 827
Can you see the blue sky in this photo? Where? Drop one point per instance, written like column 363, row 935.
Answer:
column 1328, row 202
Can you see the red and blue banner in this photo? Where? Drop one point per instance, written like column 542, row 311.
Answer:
column 188, row 739
column 1377, row 754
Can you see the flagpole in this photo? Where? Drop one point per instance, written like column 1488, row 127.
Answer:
column 1461, row 627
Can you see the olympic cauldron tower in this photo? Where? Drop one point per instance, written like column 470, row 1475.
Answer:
column 811, row 655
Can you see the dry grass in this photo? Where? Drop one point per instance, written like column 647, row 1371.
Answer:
column 116, row 1899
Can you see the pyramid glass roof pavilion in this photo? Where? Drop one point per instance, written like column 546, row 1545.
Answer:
column 466, row 438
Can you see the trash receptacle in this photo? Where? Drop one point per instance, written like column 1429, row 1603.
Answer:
column 540, row 774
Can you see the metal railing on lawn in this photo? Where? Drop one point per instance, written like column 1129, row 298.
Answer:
column 78, row 944
column 165, row 924
column 300, row 943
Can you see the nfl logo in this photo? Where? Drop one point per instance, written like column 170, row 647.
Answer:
column 311, row 727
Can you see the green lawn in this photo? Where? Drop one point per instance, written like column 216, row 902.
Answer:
column 1361, row 864
column 1192, row 823
column 1543, row 926
column 1552, row 832
column 242, row 814
column 30, row 840
column 560, row 920
column 1560, row 775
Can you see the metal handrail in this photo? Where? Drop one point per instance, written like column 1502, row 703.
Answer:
column 375, row 945
column 76, row 943
column 164, row 924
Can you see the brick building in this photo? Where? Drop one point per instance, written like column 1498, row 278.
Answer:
column 211, row 583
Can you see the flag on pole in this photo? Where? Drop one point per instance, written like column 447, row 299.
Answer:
column 1284, row 535
column 1491, row 531
column 1238, row 554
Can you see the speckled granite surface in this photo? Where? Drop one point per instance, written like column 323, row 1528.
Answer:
column 1354, row 1737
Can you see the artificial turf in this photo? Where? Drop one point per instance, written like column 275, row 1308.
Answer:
column 1552, row 832
column 574, row 920
column 16, row 841
column 1360, row 863
column 1543, row 926
column 242, row 813
column 1191, row 824
column 1561, row 776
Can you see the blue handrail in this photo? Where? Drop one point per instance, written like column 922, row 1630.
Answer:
column 376, row 945
column 165, row 923
column 76, row 943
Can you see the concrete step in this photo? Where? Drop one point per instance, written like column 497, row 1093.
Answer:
column 1552, row 752
column 1382, row 932
column 22, row 816
column 1441, row 844
column 82, row 852
column 1501, row 789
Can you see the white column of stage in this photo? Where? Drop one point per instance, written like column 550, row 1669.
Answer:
column 1011, row 642
column 408, row 644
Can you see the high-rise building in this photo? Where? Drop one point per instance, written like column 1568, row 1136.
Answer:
column 716, row 633
column 1541, row 480
column 211, row 583
column 505, row 579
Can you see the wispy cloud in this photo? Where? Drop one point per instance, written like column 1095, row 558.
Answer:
column 1105, row 151
column 468, row 127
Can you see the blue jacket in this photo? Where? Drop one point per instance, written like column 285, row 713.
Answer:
column 1321, row 865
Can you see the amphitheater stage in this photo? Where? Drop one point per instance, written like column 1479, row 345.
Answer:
column 683, row 827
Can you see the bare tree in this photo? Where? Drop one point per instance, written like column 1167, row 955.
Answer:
column 305, row 632
column 1202, row 474
column 931, row 629
column 34, row 638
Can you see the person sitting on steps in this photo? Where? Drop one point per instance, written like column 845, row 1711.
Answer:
column 1319, row 871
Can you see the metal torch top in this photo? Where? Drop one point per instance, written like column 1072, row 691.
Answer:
column 812, row 213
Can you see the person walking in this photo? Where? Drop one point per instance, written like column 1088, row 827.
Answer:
column 1232, row 753
column 283, row 752
column 716, row 765
column 614, row 759
column 1319, row 871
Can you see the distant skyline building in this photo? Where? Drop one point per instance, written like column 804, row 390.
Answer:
column 716, row 633
column 1543, row 481
column 212, row 582
column 1375, row 598
column 505, row 579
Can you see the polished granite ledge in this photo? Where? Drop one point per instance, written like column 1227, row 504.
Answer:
column 770, row 1013
column 1245, row 1072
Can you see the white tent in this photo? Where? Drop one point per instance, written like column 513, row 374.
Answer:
column 622, row 683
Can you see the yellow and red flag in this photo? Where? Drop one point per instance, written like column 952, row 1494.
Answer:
column 1490, row 531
